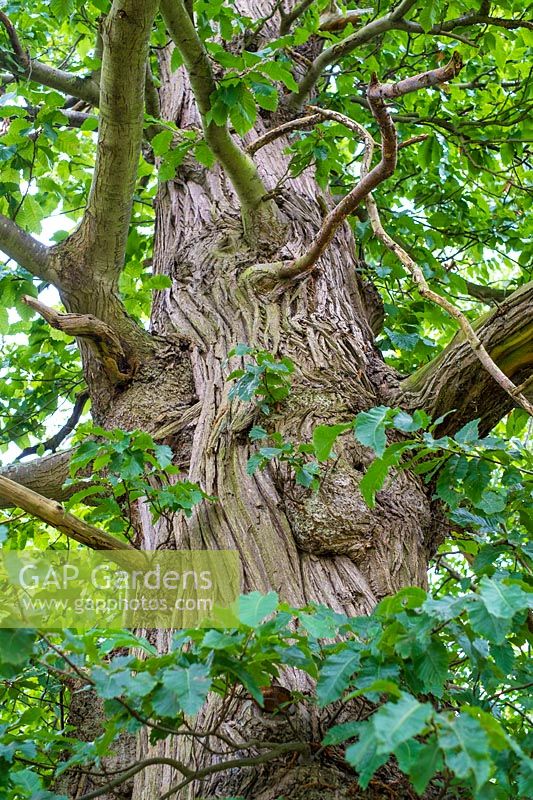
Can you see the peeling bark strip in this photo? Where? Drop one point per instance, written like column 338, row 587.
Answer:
column 102, row 338
column 54, row 514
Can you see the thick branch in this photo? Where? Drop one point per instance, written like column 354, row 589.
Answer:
column 23, row 248
column 102, row 339
column 54, row 514
column 457, row 379
column 238, row 166
column 65, row 82
column 125, row 34
column 47, row 475
column 37, row 72
column 487, row 294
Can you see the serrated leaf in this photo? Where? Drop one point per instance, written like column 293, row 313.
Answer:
column 254, row 607
column 335, row 674
column 369, row 429
column 324, row 437
column 395, row 723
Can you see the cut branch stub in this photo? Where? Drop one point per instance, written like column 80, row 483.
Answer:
column 102, row 339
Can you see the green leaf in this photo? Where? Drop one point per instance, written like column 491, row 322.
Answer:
column 254, row 607
column 419, row 761
column 62, row 8
column 370, row 429
column 397, row 722
column 363, row 755
column 324, row 437
column 503, row 599
column 375, row 476
column 431, row 667
column 466, row 748
column 336, row 673
column 184, row 689
column 469, row 433
column 16, row 646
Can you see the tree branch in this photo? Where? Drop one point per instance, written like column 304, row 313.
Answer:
column 37, row 72
column 468, row 331
column 337, row 22
column 266, row 276
column 394, row 20
column 125, row 34
column 54, row 514
column 23, row 248
column 458, row 380
column 102, row 339
column 336, row 51
column 47, row 474
column 238, row 166
column 54, row 441
column 291, row 16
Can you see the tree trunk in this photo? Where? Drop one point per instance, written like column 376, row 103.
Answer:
column 327, row 547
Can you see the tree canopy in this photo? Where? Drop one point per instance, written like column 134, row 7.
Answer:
column 414, row 121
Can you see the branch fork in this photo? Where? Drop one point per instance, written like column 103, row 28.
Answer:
column 265, row 277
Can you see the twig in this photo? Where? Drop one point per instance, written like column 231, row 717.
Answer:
column 412, row 267
column 54, row 441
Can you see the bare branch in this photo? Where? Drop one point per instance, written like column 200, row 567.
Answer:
column 468, row 331
column 54, row 441
column 458, row 380
column 125, row 34
column 337, row 22
column 282, row 130
column 336, row 51
column 266, row 276
column 301, row 123
column 291, row 16
column 239, row 167
column 55, row 515
column 23, row 248
column 102, row 339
